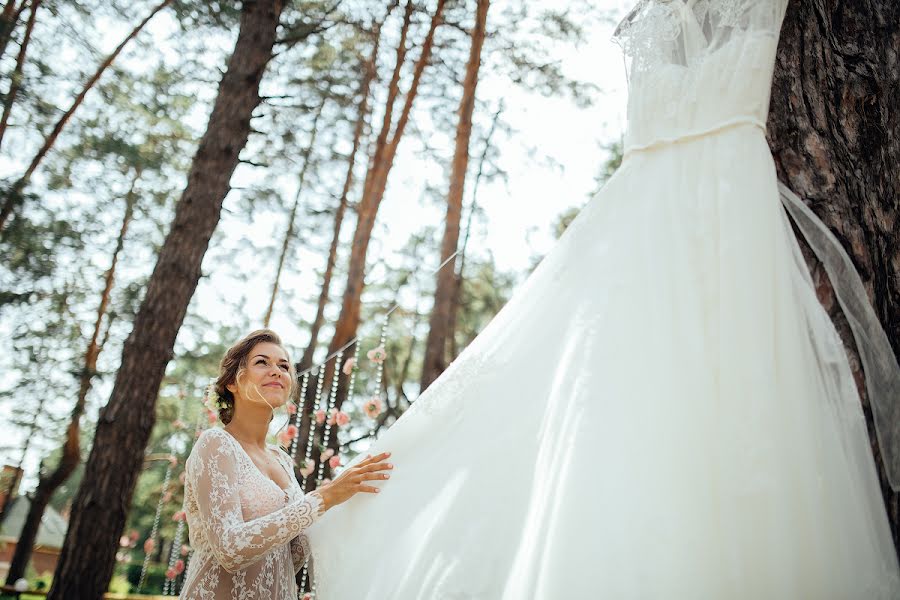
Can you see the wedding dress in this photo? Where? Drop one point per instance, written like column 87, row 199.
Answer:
column 247, row 533
column 663, row 409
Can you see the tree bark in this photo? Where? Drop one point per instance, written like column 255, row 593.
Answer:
column 289, row 232
column 15, row 194
column 123, row 428
column 834, row 129
column 369, row 74
column 376, row 182
column 71, row 449
column 435, row 360
column 16, row 79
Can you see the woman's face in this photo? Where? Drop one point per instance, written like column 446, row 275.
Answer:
column 267, row 377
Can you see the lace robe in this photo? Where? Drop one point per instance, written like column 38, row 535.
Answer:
column 246, row 531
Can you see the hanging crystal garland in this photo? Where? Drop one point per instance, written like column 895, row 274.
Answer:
column 176, row 564
column 379, row 373
column 298, row 419
column 330, row 418
column 150, row 543
column 308, row 464
column 351, row 384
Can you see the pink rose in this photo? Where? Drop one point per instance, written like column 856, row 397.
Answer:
column 173, row 460
column 332, row 416
column 307, row 469
column 185, row 549
column 211, row 416
column 171, row 574
column 334, row 462
column 341, row 418
column 133, row 534
column 179, row 566
column 149, row 545
column 328, row 453
column 373, row 407
column 377, row 355
column 348, row 366
column 284, row 439
column 320, row 416
column 179, row 516
column 291, row 408
column 307, row 596
column 124, row 541
column 292, row 431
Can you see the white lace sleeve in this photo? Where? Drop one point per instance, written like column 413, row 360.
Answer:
column 300, row 551
column 237, row 543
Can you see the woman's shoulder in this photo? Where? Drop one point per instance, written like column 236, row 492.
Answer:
column 212, row 441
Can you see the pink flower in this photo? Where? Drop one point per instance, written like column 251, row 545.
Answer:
column 341, row 418
column 185, row 549
column 334, row 462
column 291, row 408
column 284, row 439
column 373, row 407
column 179, row 516
column 173, row 460
column 179, row 566
column 124, row 541
column 292, row 431
column 377, row 355
column 348, row 366
column 149, row 545
column 328, row 453
column 307, row 596
column 320, row 416
column 167, row 497
column 171, row 574
column 211, row 416
column 307, row 469
column 332, row 416
column 133, row 534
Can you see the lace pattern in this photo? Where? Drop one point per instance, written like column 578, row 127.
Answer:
column 246, row 531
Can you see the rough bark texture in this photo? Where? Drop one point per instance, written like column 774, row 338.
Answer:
column 435, row 360
column 71, row 450
column 834, row 128
column 123, row 428
column 15, row 194
column 8, row 19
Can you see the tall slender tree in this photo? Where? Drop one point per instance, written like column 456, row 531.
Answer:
column 70, row 454
column 100, row 509
column 439, row 323
column 16, row 79
column 835, row 133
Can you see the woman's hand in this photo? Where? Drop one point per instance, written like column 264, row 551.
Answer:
column 353, row 480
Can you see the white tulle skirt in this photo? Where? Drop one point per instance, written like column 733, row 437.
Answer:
column 662, row 410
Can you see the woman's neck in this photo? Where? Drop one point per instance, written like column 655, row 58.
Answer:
column 250, row 425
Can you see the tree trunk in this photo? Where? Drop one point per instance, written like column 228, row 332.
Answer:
column 373, row 193
column 835, row 133
column 16, row 79
column 369, row 74
column 15, row 193
column 289, row 232
column 461, row 272
column 123, row 428
column 71, row 449
column 435, row 360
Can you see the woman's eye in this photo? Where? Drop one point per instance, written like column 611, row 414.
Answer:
column 284, row 368
column 261, row 362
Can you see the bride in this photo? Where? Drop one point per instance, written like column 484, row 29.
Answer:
column 663, row 410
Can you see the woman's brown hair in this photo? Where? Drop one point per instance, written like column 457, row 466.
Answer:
column 235, row 361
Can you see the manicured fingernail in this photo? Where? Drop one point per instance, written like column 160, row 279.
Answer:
column 387, row 476
column 377, row 490
column 390, row 466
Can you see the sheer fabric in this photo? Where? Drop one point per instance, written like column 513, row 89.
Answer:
column 663, row 409
column 247, row 533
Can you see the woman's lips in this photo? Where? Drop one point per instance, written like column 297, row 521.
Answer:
column 274, row 384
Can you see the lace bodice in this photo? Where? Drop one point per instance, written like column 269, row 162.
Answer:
column 697, row 65
column 246, row 531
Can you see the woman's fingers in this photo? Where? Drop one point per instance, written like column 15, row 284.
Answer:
column 379, row 466
column 368, row 489
column 373, row 459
